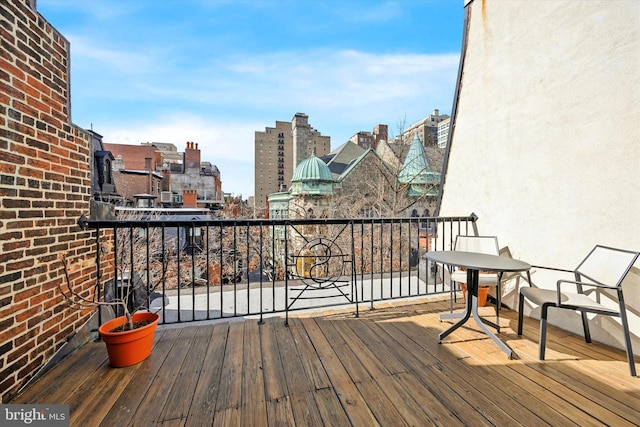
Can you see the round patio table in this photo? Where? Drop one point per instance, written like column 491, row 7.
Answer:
column 475, row 262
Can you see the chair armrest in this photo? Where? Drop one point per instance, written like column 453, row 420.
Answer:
column 577, row 283
column 541, row 267
column 552, row 268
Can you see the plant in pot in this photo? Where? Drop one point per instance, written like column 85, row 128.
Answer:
column 483, row 293
column 129, row 336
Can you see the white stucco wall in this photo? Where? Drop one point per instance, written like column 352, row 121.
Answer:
column 546, row 144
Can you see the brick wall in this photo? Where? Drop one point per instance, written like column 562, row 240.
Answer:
column 134, row 155
column 131, row 183
column 45, row 185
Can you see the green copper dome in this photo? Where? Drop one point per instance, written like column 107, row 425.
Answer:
column 416, row 169
column 312, row 169
column 417, row 173
column 313, row 178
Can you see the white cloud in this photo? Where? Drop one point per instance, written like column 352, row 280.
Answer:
column 216, row 140
column 221, row 105
column 229, row 146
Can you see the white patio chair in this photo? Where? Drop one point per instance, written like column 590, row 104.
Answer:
column 602, row 270
column 485, row 245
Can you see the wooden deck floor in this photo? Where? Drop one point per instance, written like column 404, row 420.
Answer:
column 383, row 368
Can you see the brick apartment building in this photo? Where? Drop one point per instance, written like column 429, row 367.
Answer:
column 45, row 186
column 144, row 170
column 134, row 171
column 279, row 149
column 371, row 139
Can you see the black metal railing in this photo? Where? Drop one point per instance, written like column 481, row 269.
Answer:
column 210, row 269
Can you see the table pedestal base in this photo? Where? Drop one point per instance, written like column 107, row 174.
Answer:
column 471, row 309
column 448, row 316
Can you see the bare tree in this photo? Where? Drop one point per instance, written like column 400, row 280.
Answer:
column 138, row 256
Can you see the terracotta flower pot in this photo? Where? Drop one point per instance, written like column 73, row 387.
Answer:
column 129, row 347
column 483, row 292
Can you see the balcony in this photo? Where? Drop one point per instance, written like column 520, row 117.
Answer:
column 194, row 270
column 331, row 368
column 321, row 322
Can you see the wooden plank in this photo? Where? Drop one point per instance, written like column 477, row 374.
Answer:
column 181, row 394
column 401, row 375
column 279, row 412
column 587, row 399
column 303, row 405
column 84, row 361
column 314, row 371
column 205, row 396
column 158, row 391
column 352, row 401
column 615, row 372
column 588, row 390
column 228, row 417
column 537, row 399
column 274, row 376
column 451, row 381
column 131, row 398
column 518, row 401
column 374, row 347
column 175, row 422
column 591, row 356
column 230, row 395
column 572, row 405
column 89, row 405
column 254, row 409
column 426, row 403
column 373, row 357
column 449, row 400
column 331, row 411
column 344, row 351
column 381, row 403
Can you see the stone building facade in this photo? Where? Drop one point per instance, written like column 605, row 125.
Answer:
column 196, row 176
column 426, row 129
column 45, row 186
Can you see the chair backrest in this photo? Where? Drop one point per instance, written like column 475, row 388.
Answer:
column 482, row 244
column 607, row 266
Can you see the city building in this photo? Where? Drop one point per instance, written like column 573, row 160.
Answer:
column 169, row 154
column 279, row 149
column 194, row 177
column 103, row 186
column 361, row 184
column 311, row 189
column 443, row 132
column 339, row 159
column 371, row 139
column 134, row 174
column 161, row 176
column 426, row 128
column 273, row 161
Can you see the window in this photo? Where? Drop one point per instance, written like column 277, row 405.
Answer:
column 107, row 171
column 367, row 212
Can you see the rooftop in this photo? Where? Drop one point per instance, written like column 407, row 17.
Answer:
column 330, row 368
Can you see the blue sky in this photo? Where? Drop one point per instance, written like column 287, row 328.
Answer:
column 214, row 72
